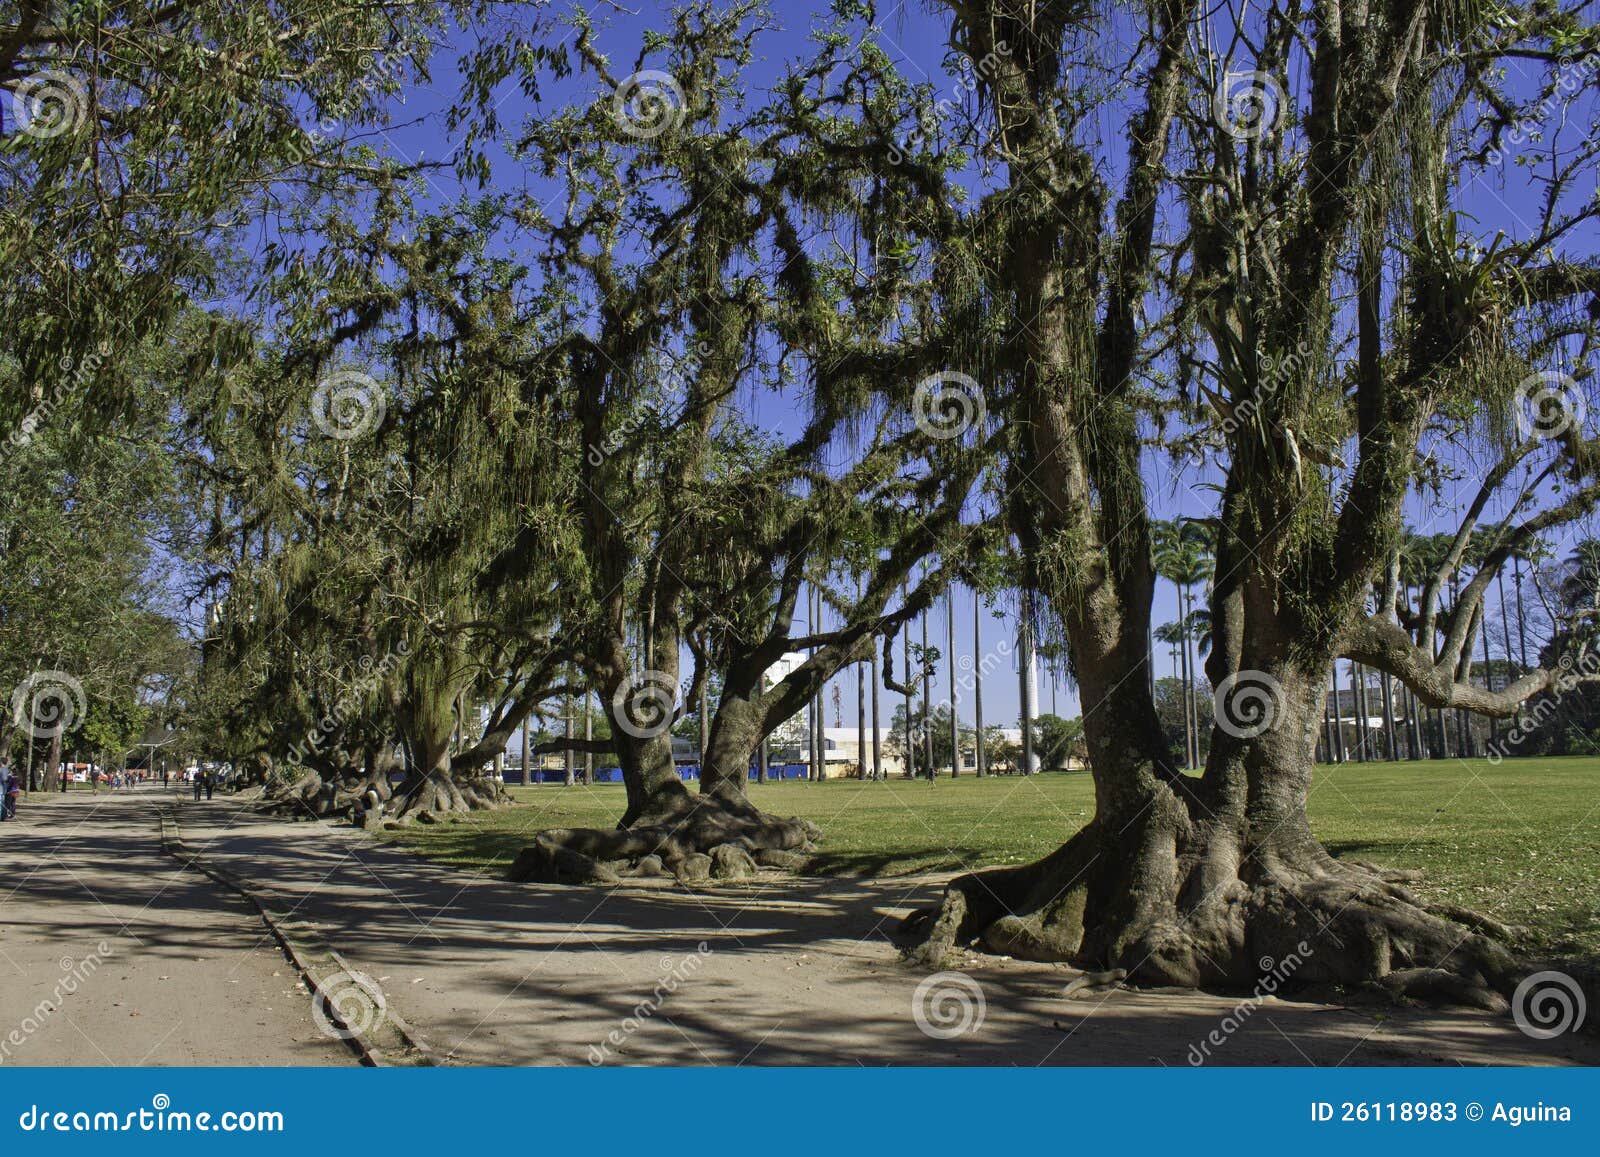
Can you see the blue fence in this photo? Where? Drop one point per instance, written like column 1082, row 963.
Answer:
column 690, row 773
column 514, row 775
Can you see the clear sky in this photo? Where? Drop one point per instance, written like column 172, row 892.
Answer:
column 917, row 38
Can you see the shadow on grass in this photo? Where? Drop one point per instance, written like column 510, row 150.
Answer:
column 899, row 862
column 1366, row 849
column 494, row 849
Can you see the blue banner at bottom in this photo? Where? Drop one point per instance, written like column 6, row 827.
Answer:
column 667, row 1112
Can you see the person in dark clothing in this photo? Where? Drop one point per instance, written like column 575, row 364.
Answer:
column 199, row 785
column 211, row 782
column 10, row 788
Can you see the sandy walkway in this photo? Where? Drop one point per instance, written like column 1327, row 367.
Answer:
column 792, row 973
column 146, row 963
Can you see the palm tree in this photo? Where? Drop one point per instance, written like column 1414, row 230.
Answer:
column 1172, row 634
column 1183, row 558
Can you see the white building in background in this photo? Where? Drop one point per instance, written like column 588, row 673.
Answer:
column 849, row 749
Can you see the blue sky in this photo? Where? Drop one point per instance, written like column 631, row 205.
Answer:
column 916, row 38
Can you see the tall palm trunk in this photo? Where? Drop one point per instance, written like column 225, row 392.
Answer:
column 977, row 686
column 950, row 671
column 861, row 720
column 927, row 702
column 877, row 735
column 910, row 683
column 1027, row 676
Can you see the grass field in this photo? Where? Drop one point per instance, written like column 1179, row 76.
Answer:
column 1520, row 841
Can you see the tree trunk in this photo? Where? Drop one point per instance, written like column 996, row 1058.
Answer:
column 430, row 718
column 910, row 683
column 861, row 720
column 1216, row 883
column 52, row 767
column 321, row 791
column 1189, row 743
column 950, row 670
column 667, row 830
column 1391, row 740
column 1028, row 687
column 977, row 688
column 927, row 704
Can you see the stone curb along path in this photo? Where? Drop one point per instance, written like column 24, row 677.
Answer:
column 349, row 1004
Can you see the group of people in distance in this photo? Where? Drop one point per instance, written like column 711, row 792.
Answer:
column 11, row 783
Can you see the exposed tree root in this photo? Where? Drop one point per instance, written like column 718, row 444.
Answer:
column 424, row 798
column 312, row 796
column 692, row 838
column 368, row 800
column 1224, row 921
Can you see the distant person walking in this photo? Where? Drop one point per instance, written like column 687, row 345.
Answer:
column 10, row 789
column 211, row 782
column 199, row 786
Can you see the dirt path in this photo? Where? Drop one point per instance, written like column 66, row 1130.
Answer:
column 778, row 972
column 112, row 954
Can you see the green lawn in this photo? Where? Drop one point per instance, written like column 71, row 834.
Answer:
column 1520, row 841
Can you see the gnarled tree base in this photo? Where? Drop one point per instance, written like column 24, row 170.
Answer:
column 692, row 838
column 368, row 800
column 314, row 796
column 424, row 798
column 1232, row 923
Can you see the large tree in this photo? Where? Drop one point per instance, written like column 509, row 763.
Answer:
column 704, row 248
column 1320, row 212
